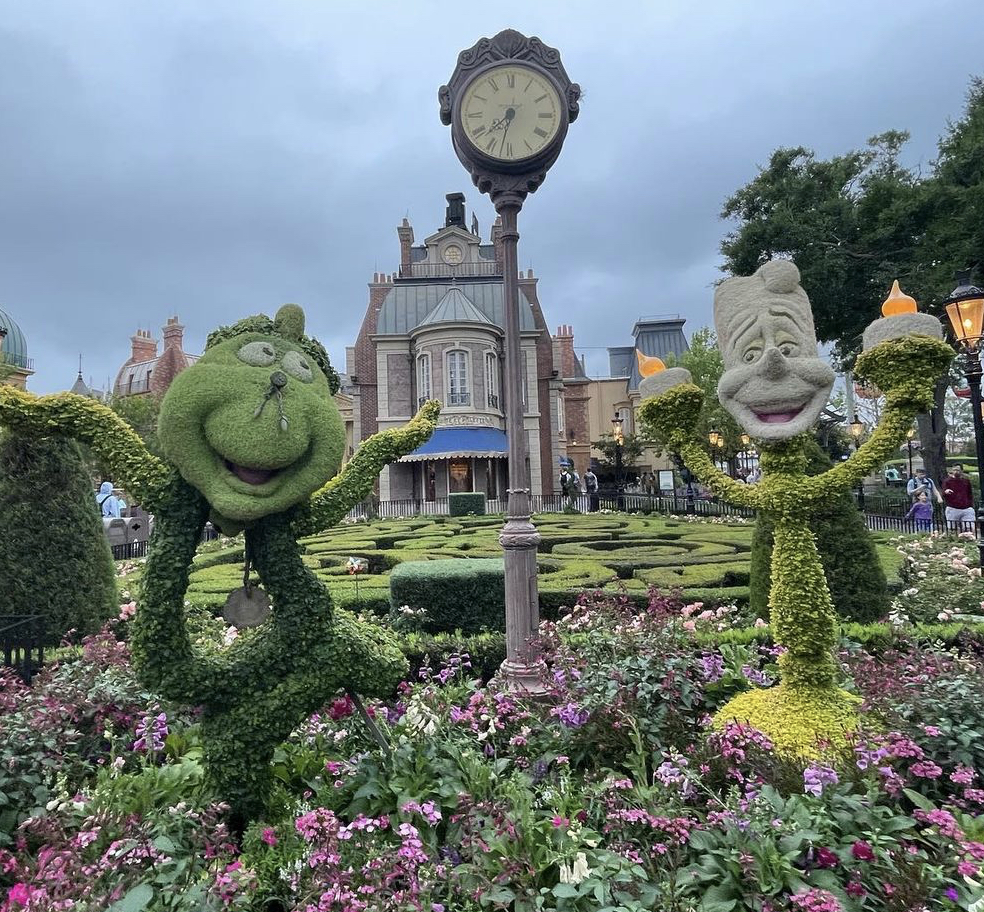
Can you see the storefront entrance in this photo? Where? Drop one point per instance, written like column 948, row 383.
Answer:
column 460, row 476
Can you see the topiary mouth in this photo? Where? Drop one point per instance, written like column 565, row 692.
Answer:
column 249, row 475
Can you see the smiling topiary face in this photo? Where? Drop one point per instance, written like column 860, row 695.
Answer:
column 252, row 425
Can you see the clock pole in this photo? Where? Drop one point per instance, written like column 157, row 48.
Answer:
column 508, row 181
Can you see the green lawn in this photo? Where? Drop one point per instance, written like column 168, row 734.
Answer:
column 614, row 552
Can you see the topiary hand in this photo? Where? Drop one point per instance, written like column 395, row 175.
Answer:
column 906, row 370
column 672, row 415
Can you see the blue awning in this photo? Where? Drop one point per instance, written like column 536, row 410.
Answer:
column 461, row 443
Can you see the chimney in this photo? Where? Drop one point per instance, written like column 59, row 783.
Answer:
column 142, row 346
column 455, row 213
column 496, row 238
column 405, row 234
column 564, row 346
column 173, row 333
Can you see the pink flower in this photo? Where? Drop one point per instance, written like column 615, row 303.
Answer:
column 926, row 769
column 931, row 730
column 826, row 858
column 269, row 836
column 19, row 893
column 560, row 822
column 862, row 851
column 962, row 775
column 966, row 869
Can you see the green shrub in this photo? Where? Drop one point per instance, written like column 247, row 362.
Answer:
column 850, row 562
column 55, row 560
column 466, row 594
column 463, row 504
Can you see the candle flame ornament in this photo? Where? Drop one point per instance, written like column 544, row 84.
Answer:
column 649, row 365
column 898, row 302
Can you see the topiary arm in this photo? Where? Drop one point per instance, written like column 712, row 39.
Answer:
column 356, row 479
column 672, row 416
column 100, row 428
column 906, row 370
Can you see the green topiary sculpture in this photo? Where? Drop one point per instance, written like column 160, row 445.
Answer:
column 775, row 386
column 55, row 560
column 855, row 577
column 252, row 435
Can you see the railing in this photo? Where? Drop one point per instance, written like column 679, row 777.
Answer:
column 22, row 638
column 16, row 360
column 493, row 401
column 133, row 550
column 447, row 270
column 459, row 399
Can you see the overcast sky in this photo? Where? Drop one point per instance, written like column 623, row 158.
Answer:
column 215, row 158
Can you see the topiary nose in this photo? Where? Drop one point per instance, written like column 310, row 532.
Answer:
column 278, row 379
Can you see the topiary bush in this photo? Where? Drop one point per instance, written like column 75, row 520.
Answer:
column 466, row 594
column 54, row 557
column 463, row 504
column 850, row 563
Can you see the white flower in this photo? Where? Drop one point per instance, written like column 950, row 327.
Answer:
column 576, row 872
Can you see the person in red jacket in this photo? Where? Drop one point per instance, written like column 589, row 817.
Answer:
column 959, row 499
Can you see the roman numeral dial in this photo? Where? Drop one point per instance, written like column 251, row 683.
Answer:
column 510, row 112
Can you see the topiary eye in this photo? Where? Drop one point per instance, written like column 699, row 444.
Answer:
column 257, row 354
column 297, row 366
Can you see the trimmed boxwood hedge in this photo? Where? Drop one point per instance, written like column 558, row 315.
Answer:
column 466, row 594
column 463, row 504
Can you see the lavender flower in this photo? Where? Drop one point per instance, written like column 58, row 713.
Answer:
column 816, row 777
column 571, row 715
column 151, row 732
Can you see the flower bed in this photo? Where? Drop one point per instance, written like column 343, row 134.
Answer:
column 614, row 794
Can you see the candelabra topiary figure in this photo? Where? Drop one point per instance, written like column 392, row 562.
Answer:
column 252, row 435
column 775, row 385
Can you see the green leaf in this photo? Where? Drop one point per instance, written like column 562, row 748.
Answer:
column 565, row 891
column 499, row 895
column 137, row 899
column 920, row 801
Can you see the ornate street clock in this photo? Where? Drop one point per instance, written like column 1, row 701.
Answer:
column 509, row 103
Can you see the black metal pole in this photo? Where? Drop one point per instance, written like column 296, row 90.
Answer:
column 973, row 371
column 619, row 502
column 909, row 442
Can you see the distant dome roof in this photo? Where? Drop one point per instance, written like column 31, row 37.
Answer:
column 14, row 348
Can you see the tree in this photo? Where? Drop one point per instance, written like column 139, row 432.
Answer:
column 959, row 423
column 632, row 449
column 140, row 412
column 54, row 557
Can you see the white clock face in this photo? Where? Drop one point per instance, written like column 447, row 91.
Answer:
column 510, row 112
column 453, row 254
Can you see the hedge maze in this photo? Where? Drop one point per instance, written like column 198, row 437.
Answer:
column 614, row 552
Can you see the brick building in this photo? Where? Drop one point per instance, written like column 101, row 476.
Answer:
column 435, row 329
column 147, row 372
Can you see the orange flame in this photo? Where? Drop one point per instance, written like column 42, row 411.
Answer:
column 898, row 302
column 649, row 366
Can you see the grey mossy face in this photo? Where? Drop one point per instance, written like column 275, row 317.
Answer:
column 774, row 383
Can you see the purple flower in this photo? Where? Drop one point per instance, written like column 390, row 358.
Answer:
column 815, row 778
column 713, row 667
column 571, row 715
column 951, row 894
column 151, row 732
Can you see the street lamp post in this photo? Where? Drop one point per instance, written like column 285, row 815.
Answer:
column 509, row 103
column 619, row 438
column 857, row 430
column 965, row 308
column 909, row 434
column 745, row 441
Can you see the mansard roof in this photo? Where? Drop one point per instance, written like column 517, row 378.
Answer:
column 407, row 305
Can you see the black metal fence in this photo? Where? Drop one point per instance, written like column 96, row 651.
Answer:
column 133, row 550
column 22, row 639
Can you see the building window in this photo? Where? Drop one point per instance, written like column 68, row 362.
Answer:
column 458, row 392
column 423, row 379
column 560, row 414
column 492, row 379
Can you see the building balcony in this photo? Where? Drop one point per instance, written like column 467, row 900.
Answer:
column 459, row 399
column 448, row 271
column 18, row 361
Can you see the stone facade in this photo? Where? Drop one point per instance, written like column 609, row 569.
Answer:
column 434, row 329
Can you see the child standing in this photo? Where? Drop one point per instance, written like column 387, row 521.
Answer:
column 922, row 512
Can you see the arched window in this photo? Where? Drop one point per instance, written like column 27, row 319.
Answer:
column 458, row 387
column 492, row 379
column 423, row 379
